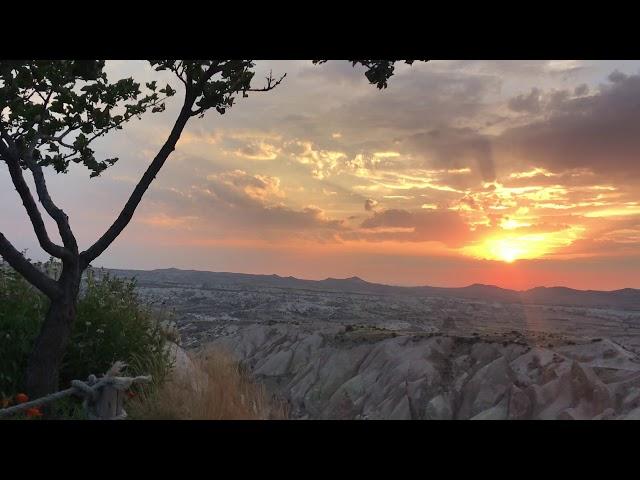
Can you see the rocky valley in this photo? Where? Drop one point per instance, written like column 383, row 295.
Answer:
column 349, row 349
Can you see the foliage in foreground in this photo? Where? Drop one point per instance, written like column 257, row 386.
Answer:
column 111, row 325
column 215, row 388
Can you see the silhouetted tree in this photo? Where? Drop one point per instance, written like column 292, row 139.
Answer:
column 50, row 114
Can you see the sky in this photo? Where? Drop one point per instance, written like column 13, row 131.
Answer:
column 512, row 173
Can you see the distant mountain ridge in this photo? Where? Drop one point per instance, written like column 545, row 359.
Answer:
column 627, row 298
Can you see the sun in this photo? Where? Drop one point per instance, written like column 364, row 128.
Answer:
column 510, row 246
column 506, row 249
column 507, row 252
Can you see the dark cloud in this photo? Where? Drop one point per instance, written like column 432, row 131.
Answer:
column 414, row 101
column 600, row 132
column 617, row 77
column 537, row 101
column 370, row 204
column 581, row 90
column 455, row 148
column 527, row 103
column 335, row 72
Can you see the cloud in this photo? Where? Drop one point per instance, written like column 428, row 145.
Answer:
column 581, row 90
column 369, row 205
column 237, row 187
column 336, row 72
column 527, row 103
column 322, row 162
column 614, row 237
column 416, row 99
column 235, row 203
column 455, row 148
column 416, row 226
column 451, row 153
column 254, row 145
column 162, row 220
column 520, row 68
column 600, row 132
column 258, row 151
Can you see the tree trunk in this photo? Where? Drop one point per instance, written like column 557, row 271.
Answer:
column 43, row 368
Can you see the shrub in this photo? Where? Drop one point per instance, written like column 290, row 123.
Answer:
column 21, row 313
column 111, row 325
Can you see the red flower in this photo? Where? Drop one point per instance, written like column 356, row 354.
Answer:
column 33, row 412
column 21, row 398
column 131, row 394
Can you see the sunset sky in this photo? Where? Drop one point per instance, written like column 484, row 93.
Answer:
column 513, row 173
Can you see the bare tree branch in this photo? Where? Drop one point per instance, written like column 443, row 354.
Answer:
column 15, row 171
column 61, row 218
column 271, row 83
column 129, row 208
column 24, row 267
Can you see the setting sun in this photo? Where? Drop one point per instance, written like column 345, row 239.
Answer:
column 511, row 246
column 507, row 252
column 506, row 249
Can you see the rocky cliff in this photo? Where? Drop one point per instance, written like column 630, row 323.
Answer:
column 371, row 373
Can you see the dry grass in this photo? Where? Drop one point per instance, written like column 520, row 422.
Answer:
column 221, row 391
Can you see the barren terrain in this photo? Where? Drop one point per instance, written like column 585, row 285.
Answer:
column 350, row 349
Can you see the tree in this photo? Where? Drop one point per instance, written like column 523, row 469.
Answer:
column 50, row 114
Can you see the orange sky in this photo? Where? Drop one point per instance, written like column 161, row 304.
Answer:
column 517, row 174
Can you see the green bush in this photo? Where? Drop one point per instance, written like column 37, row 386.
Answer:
column 21, row 314
column 111, row 325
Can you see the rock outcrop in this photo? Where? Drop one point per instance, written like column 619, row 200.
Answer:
column 185, row 371
column 363, row 373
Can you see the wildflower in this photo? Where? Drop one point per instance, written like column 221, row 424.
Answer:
column 33, row 412
column 131, row 394
column 21, row 398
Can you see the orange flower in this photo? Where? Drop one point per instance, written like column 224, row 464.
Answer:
column 33, row 412
column 21, row 398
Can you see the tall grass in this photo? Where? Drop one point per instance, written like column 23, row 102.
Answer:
column 216, row 389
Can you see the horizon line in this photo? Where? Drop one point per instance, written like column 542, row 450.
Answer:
column 357, row 277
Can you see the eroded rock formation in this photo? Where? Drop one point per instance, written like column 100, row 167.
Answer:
column 364, row 373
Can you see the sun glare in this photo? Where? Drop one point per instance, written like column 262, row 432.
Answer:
column 507, row 252
column 508, row 249
column 510, row 246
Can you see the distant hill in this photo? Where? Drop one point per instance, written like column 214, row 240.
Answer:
column 627, row 298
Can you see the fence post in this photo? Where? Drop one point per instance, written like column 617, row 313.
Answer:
column 103, row 398
column 108, row 405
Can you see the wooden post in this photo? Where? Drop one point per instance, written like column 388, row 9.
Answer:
column 108, row 405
